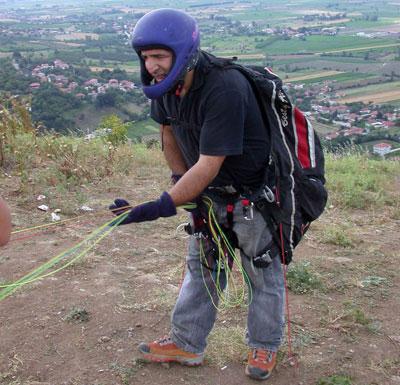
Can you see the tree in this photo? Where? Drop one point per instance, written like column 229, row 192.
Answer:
column 51, row 107
column 114, row 128
column 108, row 99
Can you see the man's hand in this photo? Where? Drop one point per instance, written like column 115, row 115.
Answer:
column 149, row 211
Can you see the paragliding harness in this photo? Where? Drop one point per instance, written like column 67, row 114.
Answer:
column 293, row 193
column 201, row 229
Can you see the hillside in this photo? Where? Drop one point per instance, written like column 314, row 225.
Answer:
column 82, row 325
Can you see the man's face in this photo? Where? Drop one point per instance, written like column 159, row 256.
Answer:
column 158, row 62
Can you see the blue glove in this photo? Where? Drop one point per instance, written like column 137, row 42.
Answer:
column 149, row 211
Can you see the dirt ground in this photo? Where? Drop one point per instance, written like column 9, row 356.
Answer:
column 82, row 325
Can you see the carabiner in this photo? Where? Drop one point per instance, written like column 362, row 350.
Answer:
column 268, row 194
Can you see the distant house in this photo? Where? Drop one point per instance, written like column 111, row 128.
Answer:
column 353, row 131
column 34, row 86
column 113, row 83
column 332, row 135
column 381, row 148
column 92, row 82
column 388, row 124
column 72, row 86
column 61, row 79
column 60, row 64
column 127, row 85
column 341, row 124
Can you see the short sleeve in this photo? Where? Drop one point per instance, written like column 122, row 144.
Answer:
column 222, row 131
column 158, row 113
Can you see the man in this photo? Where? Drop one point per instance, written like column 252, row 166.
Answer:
column 5, row 223
column 215, row 144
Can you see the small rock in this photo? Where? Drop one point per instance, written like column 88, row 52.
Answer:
column 340, row 259
column 395, row 338
column 41, row 197
column 43, row 208
column 55, row 217
column 86, row 208
column 57, row 211
column 104, row 339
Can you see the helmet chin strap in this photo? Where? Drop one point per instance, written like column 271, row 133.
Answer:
column 177, row 87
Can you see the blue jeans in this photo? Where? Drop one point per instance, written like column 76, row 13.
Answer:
column 194, row 313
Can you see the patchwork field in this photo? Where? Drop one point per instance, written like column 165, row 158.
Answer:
column 321, row 74
column 77, row 36
column 374, row 93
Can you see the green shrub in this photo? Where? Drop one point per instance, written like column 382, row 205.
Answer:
column 335, row 380
column 357, row 181
column 301, row 279
column 335, row 235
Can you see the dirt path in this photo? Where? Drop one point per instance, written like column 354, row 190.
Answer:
column 82, row 326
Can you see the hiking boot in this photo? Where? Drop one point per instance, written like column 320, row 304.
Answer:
column 165, row 350
column 260, row 363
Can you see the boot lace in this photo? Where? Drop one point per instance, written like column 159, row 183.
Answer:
column 164, row 340
column 262, row 355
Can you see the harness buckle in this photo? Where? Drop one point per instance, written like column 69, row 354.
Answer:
column 248, row 213
column 268, row 194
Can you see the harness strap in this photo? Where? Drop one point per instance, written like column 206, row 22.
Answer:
column 272, row 215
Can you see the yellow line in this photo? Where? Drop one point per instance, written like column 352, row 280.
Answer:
column 47, row 225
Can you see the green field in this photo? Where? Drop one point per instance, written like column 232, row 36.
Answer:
column 144, row 127
column 374, row 89
column 342, row 78
column 227, row 29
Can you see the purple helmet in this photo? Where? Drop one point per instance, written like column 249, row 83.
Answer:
column 168, row 29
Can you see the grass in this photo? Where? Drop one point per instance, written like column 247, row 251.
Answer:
column 356, row 315
column 335, row 380
column 335, row 235
column 126, row 373
column 226, row 344
column 141, row 128
column 357, row 181
column 77, row 314
column 301, row 279
column 64, row 163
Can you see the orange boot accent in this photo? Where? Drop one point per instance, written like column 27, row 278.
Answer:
column 260, row 363
column 165, row 350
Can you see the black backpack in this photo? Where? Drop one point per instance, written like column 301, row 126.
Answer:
column 294, row 194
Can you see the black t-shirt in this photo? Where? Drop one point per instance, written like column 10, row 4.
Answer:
column 218, row 116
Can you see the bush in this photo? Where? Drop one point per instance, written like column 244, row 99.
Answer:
column 335, row 380
column 301, row 279
column 357, row 181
